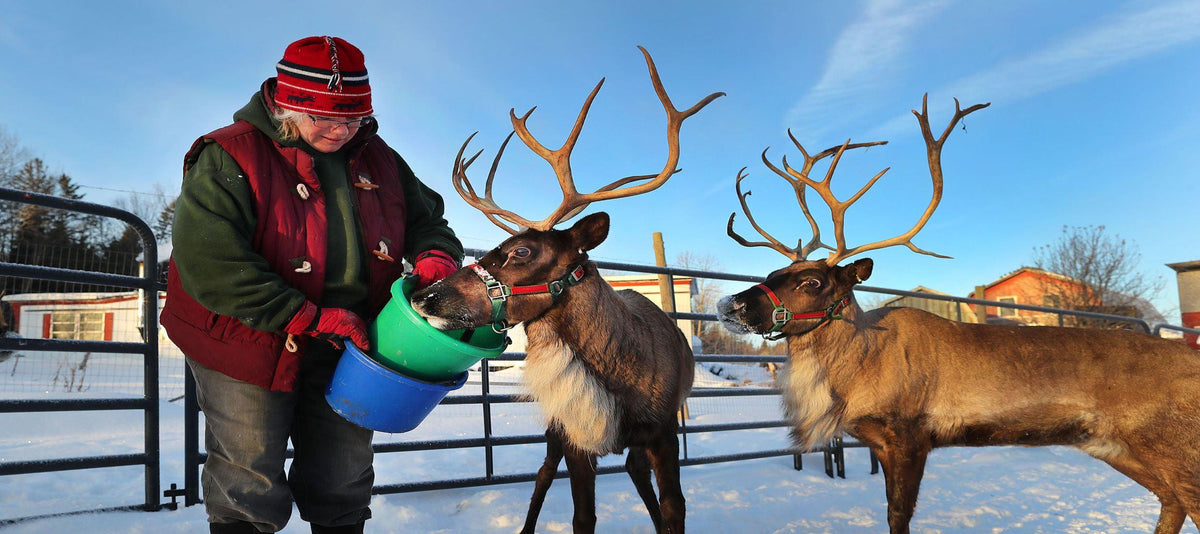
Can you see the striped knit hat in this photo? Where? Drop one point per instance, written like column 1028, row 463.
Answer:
column 324, row 76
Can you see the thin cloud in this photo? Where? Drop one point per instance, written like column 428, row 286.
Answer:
column 9, row 37
column 864, row 53
column 1075, row 58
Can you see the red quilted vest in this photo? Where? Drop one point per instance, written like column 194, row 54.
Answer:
column 291, row 235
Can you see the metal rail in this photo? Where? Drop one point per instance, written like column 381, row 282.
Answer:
column 149, row 403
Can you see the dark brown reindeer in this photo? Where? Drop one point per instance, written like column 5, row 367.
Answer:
column 904, row 381
column 609, row 369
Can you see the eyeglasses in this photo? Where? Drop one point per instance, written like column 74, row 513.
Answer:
column 323, row 122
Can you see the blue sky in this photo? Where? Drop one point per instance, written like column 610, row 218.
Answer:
column 1093, row 119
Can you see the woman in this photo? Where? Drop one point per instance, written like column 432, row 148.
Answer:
column 289, row 231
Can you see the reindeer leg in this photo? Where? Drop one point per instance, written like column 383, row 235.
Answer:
column 1170, row 518
column 903, row 468
column 664, row 458
column 1172, row 515
column 902, row 455
column 1172, row 456
column 1179, row 473
column 582, row 467
column 545, row 476
column 903, row 461
column 637, row 464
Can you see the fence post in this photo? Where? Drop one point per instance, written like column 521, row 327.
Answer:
column 485, row 389
column 666, row 293
column 980, row 309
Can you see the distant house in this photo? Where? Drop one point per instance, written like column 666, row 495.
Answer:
column 80, row 316
column 647, row 285
column 955, row 311
column 1027, row 286
column 1037, row 287
column 88, row 316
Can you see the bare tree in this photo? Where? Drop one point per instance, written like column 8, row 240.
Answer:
column 12, row 156
column 715, row 338
column 156, row 208
column 707, row 291
column 147, row 206
column 12, row 159
column 1101, row 272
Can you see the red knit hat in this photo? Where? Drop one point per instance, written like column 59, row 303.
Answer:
column 325, row 76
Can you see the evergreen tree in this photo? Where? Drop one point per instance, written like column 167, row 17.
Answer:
column 166, row 220
column 33, row 222
column 71, row 227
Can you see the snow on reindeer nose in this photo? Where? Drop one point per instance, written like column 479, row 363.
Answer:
column 730, row 311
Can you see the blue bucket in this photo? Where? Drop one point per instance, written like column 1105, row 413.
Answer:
column 377, row 398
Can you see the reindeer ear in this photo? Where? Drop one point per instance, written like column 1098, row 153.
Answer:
column 858, row 271
column 590, row 231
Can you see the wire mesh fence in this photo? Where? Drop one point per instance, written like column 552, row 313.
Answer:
column 57, row 309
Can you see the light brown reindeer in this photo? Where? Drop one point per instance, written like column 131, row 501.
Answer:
column 608, row 368
column 904, row 381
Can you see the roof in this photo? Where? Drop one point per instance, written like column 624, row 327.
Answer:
column 69, row 297
column 1032, row 270
column 1186, row 266
column 918, row 289
column 628, row 280
column 22, row 299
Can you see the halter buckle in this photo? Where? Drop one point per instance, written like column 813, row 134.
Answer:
column 577, row 274
column 498, row 291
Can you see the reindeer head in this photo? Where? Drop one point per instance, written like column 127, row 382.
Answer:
column 539, row 257
column 793, row 300
column 798, row 298
column 522, row 265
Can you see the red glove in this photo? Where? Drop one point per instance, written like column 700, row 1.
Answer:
column 433, row 265
column 330, row 324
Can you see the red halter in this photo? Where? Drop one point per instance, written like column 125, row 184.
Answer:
column 498, row 292
column 780, row 316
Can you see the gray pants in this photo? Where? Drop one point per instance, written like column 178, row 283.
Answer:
column 246, row 435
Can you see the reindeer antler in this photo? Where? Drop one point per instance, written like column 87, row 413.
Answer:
column 799, row 180
column 573, row 201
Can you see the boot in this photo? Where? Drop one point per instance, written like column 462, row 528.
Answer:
column 237, row 527
column 344, row 529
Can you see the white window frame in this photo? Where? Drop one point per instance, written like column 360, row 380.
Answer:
column 77, row 325
column 1007, row 312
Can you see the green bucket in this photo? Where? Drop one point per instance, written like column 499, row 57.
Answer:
column 405, row 342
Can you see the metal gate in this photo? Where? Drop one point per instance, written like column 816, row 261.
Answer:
column 148, row 404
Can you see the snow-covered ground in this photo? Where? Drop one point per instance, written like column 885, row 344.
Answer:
column 998, row 489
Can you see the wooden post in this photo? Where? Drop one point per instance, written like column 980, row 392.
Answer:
column 666, row 293
column 980, row 309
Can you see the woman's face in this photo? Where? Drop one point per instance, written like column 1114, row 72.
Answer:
column 326, row 134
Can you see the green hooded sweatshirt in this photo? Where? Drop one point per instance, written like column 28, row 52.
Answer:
column 215, row 222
